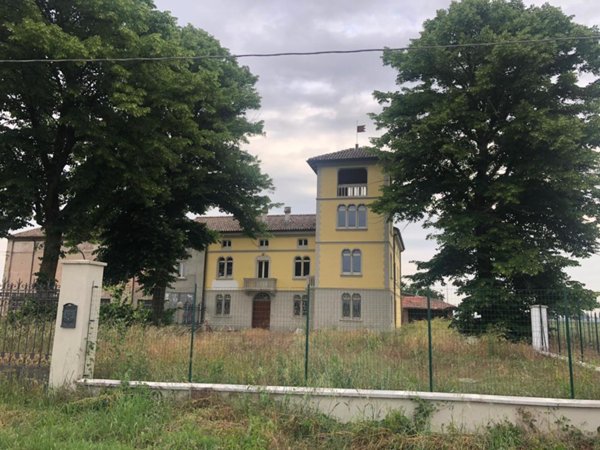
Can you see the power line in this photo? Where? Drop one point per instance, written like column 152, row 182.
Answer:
column 311, row 53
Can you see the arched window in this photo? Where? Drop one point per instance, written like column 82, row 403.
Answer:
column 225, row 267
column 219, row 305
column 356, row 307
column 356, row 261
column 346, row 261
column 300, row 305
column 227, row 305
column 301, row 266
column 362, row 216
column 351, row 220
column 341, row 216
column 352, row 182
column 351, row 306
column 346, row 307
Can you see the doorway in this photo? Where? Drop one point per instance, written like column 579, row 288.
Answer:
column 261, row 311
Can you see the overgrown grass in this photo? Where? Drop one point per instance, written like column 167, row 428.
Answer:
column 344, row 359
column 128, row 419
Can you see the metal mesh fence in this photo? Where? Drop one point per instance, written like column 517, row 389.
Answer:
column 490, row 342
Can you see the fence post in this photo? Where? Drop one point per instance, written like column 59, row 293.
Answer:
column 570, row 356
column 306, row 342
column 596, row 330
column 193, row 332
column 76, row 328
column 558, row 333
column 429, row 341
column 539, row 327
column 579, row 330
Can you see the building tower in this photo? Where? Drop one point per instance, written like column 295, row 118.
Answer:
column 357, row 251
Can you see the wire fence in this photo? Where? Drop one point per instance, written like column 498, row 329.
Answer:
column 488, row 343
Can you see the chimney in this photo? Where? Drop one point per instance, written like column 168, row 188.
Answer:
column 287, row 210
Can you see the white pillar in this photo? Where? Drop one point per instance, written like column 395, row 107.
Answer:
column 74, row 345
column 539, row 327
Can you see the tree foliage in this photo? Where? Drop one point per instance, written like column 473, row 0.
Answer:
column 122, row 152
column 495, row 147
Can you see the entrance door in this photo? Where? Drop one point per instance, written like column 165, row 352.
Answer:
column 261, row 311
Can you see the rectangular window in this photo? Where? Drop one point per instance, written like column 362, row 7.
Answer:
column 263, row 243
column 302, row 243
column 180, row 269
column 226, row 243
column 263, row 268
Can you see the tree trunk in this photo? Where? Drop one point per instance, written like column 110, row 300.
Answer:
column 158, row 304
column 51, row 255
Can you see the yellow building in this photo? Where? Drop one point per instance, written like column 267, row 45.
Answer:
column 350, row 254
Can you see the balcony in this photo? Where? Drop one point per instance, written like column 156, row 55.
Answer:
column 352, row 190
column 260, row 284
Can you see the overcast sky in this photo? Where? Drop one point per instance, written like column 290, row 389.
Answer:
column 310, row 105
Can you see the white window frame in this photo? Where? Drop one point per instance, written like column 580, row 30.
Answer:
column 351, row 213
column 351, row 306
column 352, row 263
column 226, row 243
column 300, row 305
column 260, row 268
column 304, row 270
column 302, row 242
column 227, row 272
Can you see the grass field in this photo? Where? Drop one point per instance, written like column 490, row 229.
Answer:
column 362, row 359
column 32, row 419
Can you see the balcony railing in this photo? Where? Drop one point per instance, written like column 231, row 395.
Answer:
column 352, row 190
column 260, row 284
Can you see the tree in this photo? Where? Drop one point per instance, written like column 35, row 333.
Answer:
column 495, row 147
column 121, row 151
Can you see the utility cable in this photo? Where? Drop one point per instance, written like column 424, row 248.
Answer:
column 310, row 53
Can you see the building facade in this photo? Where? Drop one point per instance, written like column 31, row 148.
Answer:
column 349, row 254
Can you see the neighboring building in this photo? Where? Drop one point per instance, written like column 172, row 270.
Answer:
column 24, row 252
column 414, row 307
column 350, row 254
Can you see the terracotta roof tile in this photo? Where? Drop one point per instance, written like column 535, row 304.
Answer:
column 420, row 302
column 349, row 154
column 294, row 222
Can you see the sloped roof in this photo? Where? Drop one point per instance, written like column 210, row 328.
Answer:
column 420, row 302
column 349, row 154
column 32, row 233
column 276, row 222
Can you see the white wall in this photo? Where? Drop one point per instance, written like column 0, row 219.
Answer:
column 3, row 246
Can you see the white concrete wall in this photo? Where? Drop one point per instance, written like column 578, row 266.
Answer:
column 464, row 412
column 3, row 247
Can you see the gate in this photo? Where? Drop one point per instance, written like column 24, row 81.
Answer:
column 27, row 320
